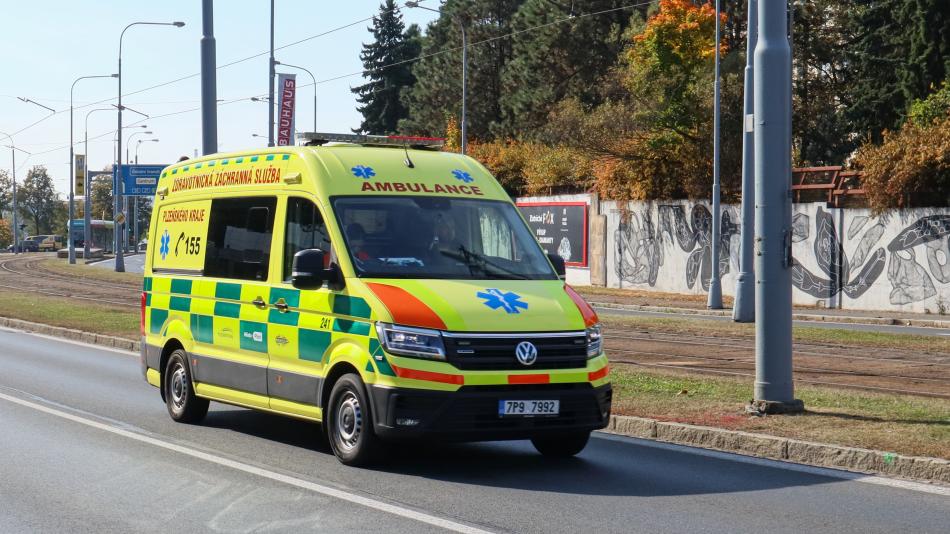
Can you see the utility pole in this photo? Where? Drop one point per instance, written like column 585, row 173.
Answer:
column 272, row 71
column 744, row 309
column 774, row 388
column 715, row 282
column 209, row 85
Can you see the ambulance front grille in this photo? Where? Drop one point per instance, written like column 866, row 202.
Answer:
column 496, row 352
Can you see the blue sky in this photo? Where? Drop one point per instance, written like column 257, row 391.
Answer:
column 46, row 45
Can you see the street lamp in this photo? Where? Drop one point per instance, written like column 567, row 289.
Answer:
column 314, row 80
column 16, row 227
column 135, row 199
column 461, row 22
column 138, row 144
column 72, row 171
column 119, row 261
column 128, row 142
column 87, row 205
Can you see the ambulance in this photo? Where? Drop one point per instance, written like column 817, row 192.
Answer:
column 380, row 286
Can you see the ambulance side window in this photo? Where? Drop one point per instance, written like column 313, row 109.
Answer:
column 239, row 237
column 305, row 230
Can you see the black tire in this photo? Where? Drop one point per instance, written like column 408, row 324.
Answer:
column 180, row 399
column 561, row 446
column 349, row 423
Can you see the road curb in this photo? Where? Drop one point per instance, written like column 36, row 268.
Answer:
column 819, row 318
column 868, row 461
column 72, row 334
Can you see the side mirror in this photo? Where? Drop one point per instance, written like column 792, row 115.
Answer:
column 309, row 271
column 558, row 263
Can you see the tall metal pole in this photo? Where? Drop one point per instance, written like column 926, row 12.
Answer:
column 715, row 282
column 209, row 85
column 270, row 84
column 774, row 389
column 464, row 87
column 744, row 310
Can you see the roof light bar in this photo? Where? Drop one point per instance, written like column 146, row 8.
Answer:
column 321, row 138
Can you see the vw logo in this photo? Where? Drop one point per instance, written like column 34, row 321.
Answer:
column 526, row 353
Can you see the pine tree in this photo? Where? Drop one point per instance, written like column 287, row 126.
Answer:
column 437, row 94
column 387, row 63
column 900, row 53
column 554, row 59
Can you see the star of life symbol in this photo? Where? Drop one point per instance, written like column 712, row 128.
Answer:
column 506, row 300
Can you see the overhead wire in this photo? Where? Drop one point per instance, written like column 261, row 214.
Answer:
column 194, row 75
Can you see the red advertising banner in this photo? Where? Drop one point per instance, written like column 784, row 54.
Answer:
column 286, row 101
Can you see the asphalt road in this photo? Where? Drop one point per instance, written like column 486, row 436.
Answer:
column 87, row 446
column 134, row 263
column 861, row 327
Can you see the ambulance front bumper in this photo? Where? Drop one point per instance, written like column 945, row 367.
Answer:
column 471, row 413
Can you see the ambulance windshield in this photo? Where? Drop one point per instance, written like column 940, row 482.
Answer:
column 439, row 237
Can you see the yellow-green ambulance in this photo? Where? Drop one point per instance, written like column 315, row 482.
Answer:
column 377, row 285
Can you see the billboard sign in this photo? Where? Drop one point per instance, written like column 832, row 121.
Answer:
column 560, row 228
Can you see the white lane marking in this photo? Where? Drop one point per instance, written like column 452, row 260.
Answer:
column 374, row 504
column 788, row 466
column 70, row 341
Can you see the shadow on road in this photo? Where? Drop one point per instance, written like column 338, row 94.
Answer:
column 606, row 467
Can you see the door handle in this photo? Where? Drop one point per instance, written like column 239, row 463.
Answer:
column 282, row 305
column 259, row 302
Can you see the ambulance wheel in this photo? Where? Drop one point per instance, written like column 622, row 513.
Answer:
column 180, row 399
column 349, row 423
column 563, row 445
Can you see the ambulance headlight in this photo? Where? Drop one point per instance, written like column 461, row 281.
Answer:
column 412, row 342
column 594, row 342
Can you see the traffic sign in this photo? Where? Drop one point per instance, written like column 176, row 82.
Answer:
column 140, row 180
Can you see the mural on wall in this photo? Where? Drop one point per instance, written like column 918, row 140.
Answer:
column 879, row 262
column 910, row 280
column 833, row 262
column 640, row 244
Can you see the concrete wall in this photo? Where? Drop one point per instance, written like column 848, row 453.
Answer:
column 844, row 258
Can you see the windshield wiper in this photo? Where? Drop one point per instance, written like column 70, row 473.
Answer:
column 474, row 260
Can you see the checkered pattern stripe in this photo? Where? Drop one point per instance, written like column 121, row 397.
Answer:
column 220, row 313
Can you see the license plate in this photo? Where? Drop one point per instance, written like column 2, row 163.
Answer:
column 528, row 407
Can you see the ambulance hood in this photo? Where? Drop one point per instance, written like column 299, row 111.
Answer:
column 482, row 305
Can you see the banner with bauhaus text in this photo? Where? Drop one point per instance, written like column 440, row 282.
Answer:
column 286, row 102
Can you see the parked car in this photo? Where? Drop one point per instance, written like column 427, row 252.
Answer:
column 26, row 245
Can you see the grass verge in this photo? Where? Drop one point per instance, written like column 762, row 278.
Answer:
column 70, row 313
column 902, row 424
column 801, row 334
column 89, row 272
